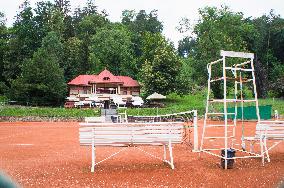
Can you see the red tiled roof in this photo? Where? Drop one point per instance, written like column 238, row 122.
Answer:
column 128, row 81
column 101, row 78
column 104, row 77
column 82, row 80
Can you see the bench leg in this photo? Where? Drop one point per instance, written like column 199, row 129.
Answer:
column 171, row 155
column 165, row 152
column 266, row 151
column 93, row 157
column 261, row 150
column 171, row 160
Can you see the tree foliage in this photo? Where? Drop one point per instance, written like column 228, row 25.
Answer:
column 161, row 67
column 3, row 48
column 49, row 45
column 268, row 45
column 22, row 42
column 114, row 42
column 42, row 80
column 73, row 60
column 186, row 47
column 139, row 24
column 217, row 29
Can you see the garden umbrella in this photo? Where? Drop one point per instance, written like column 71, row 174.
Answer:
column 155, row 96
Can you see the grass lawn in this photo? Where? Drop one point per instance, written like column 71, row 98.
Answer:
column 175, row 103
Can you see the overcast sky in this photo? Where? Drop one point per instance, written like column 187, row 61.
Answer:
column 169, row 11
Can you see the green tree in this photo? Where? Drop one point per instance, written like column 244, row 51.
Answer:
column 139, row 24
column 22, row 44
column 42, row 80
column 3, row 48
column 184, row 79
column 74, row 62
column 161, row 67
column 63, row 6
column 111, row 48
column 86, row 29
column 43, row 15
column 54, row 17
column 186, row 47
column 218, row 29
column 142, row 22
column 268, row 46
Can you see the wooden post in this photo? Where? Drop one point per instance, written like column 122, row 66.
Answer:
column 118, row 90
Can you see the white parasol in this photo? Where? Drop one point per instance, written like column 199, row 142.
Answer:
column 156, row 96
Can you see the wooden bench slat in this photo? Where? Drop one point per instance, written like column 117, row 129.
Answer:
column 131, row 133
column 270, row 129
column 128, row 142
column 132, row 127
column 130, row 124
column 126, row 135
column 156, row 137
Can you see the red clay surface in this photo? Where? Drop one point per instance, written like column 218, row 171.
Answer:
column 49, row 155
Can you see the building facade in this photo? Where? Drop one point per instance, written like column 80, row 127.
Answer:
column 103, row 83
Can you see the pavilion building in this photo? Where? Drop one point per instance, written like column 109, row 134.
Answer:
column 103, row 84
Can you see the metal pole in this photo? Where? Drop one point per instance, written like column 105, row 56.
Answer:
column 255, row 91
column 195, row 129
column 225, row 111
column 242, row 106
column 207, row 105
column 236, row 104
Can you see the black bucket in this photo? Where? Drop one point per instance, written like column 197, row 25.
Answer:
column 230, row 154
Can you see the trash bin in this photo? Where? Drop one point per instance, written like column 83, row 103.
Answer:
column 114, row 119
column 230, row 154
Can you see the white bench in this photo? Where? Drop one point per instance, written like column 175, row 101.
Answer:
column 100, row 119
column 131, row 134
column 267, row 130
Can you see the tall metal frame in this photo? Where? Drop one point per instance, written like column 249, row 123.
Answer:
column 238, row 71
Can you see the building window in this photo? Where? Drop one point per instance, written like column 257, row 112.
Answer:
column 106, row 78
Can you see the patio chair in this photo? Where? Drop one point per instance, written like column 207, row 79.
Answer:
column 137, row 101
column 117, row 100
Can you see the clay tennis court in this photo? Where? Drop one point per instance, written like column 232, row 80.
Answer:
column 44, row 154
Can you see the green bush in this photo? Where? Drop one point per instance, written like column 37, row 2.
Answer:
column 3, row 98
column 47, row 112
